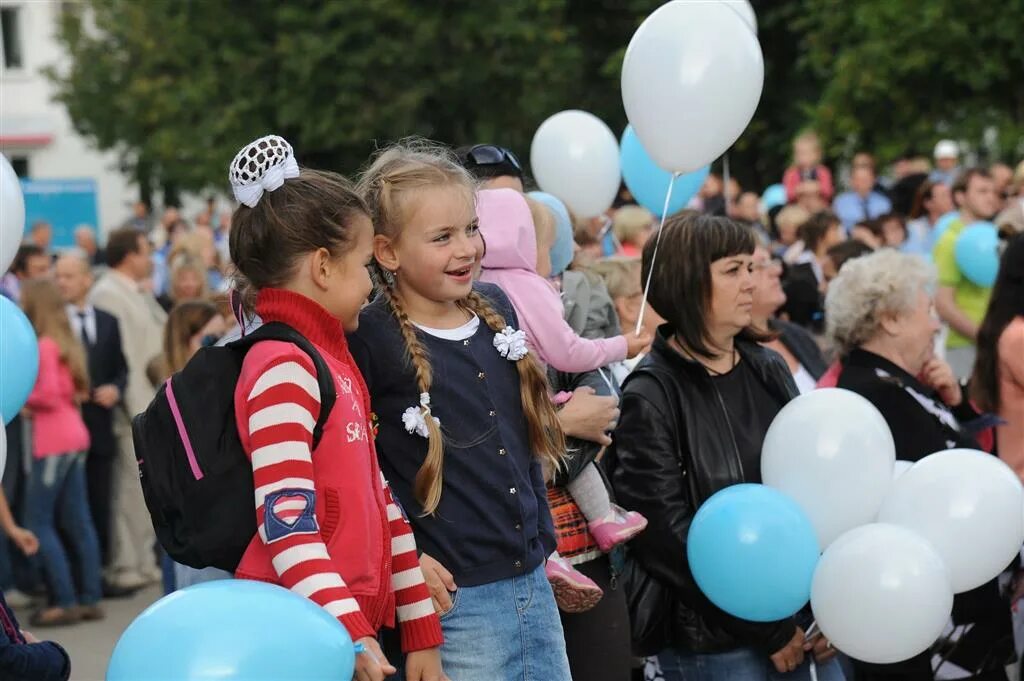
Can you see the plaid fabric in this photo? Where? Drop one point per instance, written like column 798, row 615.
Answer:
column 575, row 544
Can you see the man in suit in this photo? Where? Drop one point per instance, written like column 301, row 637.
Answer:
column 141, row 320
column 108, row 375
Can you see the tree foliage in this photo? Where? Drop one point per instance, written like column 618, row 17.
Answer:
column 896, row 74
column 177, row 86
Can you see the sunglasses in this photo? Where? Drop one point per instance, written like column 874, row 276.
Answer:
column 493, row 155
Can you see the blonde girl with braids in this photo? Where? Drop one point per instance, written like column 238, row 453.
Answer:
column 465, row 427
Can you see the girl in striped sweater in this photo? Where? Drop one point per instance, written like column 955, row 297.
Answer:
column 328, row 527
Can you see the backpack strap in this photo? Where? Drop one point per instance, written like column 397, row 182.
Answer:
column 280, row 331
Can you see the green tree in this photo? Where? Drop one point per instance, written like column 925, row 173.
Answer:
column 898, row 74
column 176, row 86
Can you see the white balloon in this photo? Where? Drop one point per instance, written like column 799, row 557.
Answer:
column 899, row 468
column 831, row 451
column 691, row 80
column 744, row 9
column 881, row 594
column 968, row 505
column 12, row 214
column 575, row 156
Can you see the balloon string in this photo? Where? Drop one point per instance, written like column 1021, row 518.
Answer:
column 654, row 255
column 725, row 181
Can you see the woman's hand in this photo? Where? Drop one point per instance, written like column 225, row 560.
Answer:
column 440, row 583
column 938, row 375
column 792, row 655
column 371, row 665
column 424, row 665
column 589, row 416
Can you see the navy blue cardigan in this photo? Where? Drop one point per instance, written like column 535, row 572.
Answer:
column 493, row 520
column 21, row 661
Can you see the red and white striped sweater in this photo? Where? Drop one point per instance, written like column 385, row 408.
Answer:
column 328, row 526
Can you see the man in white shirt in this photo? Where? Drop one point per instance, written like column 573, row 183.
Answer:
column 120, row 291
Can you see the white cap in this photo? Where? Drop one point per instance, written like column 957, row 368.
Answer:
column 947, row 149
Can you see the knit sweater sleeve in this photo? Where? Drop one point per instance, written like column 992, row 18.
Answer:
column 281, row 409
column 420, row 626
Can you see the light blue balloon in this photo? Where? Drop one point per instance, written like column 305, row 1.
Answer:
column 753, row 551
column 774, row 195
column 562, row 247
column 649, row 184
column 233, row 630
column 19, row 359
column 942, row 224
column 977, row 253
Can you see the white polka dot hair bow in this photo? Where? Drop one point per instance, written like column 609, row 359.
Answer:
column 261, row 166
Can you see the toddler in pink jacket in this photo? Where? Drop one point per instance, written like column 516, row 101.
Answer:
column 516, row 262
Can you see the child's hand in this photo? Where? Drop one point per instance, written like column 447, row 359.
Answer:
column 424, row 665
column 371, row 665
column 25, row 540
column 637, row 342
column 440, row 583
column 29, row 638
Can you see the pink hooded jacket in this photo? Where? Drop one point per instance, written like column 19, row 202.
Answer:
column 511, row 263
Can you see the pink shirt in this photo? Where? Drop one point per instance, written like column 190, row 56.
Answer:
column 57, row 425
column 1010, row 438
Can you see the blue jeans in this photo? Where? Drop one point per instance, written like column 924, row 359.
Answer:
column 505, row 631
column 185, row 576
column 738, row 665
column 57, row 496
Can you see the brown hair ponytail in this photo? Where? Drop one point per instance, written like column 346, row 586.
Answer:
column 546, row 437
column 429, row 478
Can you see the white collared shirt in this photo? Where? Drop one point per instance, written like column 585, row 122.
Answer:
column 76, row 320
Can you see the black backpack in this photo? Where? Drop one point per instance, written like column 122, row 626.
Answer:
column 196, row 477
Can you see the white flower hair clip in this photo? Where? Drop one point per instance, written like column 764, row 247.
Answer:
column 511, row 344
column 415, row 418
column 262, row 165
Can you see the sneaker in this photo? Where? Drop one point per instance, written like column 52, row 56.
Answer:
column 55, row 617
column 574, row 591
column 89, row 613
column 18, row 599
column 128, row 579
column 617, row 528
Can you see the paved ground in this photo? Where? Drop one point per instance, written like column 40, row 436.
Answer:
column 91, row 643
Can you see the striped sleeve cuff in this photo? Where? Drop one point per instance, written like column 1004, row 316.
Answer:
column 421, row 633
column 356, row 625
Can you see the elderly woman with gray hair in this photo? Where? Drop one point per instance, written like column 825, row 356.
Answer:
column 880, row 316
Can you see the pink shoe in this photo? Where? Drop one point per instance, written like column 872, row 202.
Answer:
column 574, row 591
column 609, row 533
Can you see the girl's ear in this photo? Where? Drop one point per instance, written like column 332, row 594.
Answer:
column 385, row 253
column 320, row 265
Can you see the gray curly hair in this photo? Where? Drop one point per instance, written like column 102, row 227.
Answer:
column 869, row 287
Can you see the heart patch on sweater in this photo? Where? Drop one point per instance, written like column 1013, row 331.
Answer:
column 289, row 511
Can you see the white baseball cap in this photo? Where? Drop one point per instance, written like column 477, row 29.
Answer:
column 947, row 149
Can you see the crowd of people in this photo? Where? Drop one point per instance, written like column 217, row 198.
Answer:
column 508, row 393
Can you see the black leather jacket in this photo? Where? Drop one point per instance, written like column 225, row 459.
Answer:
column 674, row 448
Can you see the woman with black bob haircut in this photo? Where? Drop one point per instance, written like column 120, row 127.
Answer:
column 694, row 416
